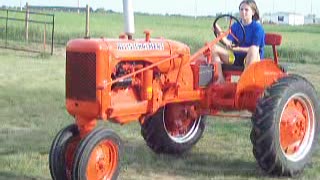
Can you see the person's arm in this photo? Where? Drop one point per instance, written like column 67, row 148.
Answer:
column 245, row 49
column 225, row 40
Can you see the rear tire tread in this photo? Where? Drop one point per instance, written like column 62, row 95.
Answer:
column 263, row 135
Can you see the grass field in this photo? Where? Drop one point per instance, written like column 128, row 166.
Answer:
column 32, row 108
column 32, row 112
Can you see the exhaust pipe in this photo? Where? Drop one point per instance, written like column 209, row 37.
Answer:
column 128, row 18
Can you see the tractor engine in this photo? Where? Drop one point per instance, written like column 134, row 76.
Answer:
column 125, row 68
column 123, row 79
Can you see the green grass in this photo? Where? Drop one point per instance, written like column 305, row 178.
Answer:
column 32, row 112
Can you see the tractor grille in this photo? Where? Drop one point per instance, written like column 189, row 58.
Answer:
column 81, row 76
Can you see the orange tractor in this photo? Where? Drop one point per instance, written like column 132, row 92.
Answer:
column 171, row 92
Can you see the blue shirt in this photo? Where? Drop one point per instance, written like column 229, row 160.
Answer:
column 254, row 36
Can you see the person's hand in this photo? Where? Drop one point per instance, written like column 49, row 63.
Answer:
column 229, row 45
column 217, row 29
column 235, row 48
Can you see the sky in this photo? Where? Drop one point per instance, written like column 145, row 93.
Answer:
column 184, row 7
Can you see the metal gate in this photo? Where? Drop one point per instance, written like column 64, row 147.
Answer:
column 26, row 30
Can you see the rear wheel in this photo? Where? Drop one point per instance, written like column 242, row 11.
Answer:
column 286, row 126
column 173, row 129
column 98, row 156
column 61, row 152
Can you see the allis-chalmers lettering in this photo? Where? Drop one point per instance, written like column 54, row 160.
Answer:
column 140, row 46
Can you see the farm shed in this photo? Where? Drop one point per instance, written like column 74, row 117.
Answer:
column 284, row 18
column 310, row 19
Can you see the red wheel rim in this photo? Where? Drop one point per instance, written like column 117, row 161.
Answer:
column 297, row 127
column 181, row 122
column 103, row 161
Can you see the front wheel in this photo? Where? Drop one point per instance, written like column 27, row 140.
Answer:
column 98, row 156
column 173, row 129
column 286, row 126
column 61, row 152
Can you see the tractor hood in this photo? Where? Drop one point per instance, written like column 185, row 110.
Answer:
column 136, row 49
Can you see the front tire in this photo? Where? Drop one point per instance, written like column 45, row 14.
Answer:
column 61, row 152
column 173, row 129
column 286, row 126
column 98, row 156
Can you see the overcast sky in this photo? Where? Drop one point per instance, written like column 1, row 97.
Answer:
column 184, row 7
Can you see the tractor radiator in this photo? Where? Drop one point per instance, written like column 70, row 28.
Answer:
column 81, row 76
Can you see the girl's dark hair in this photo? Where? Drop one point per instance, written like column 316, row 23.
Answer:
column 254, row 7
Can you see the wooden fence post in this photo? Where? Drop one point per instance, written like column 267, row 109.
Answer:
column 27, row 22
column 7, row 28
column 44, row 37
column 87, row 21
column 52, row 35
column 78, row 6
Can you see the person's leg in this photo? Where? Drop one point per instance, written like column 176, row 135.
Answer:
column 252, row 56
column 219, row 56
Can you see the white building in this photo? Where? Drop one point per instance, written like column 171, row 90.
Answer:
column 310, row 19
column 284, row 18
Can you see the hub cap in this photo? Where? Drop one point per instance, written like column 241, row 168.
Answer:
column 297, row 127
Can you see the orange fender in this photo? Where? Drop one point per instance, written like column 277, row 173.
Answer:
column 253, row 81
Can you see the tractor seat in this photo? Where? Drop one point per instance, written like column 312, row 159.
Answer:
column 231, row 67
column 273, row 39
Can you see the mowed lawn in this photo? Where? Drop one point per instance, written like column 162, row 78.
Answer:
column 32, row 112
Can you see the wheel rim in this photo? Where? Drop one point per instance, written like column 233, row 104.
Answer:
column 297, row 127
column 181, row 122
column 103, row 161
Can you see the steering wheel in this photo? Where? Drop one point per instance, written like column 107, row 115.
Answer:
column 231, row 19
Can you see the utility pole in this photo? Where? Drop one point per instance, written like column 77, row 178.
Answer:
column 311, row 8
column 195, row 9
column 273, row 7
column 313, row 16
column 225, row 7
column 78, row 6
column 295, row 6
